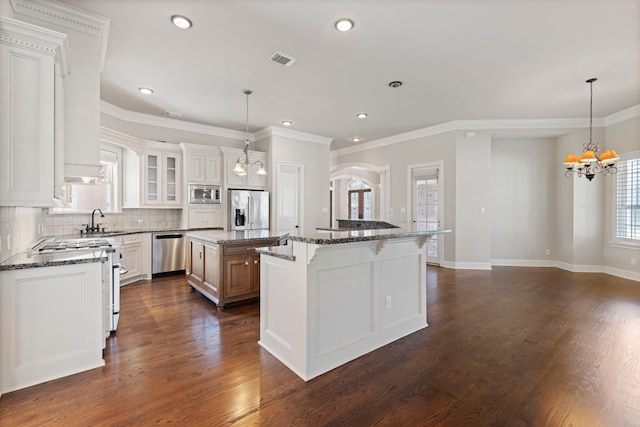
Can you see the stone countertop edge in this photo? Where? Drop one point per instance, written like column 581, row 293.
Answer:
column 22, row 261
column 338, row 237
column 129, row 232
column 228, row 237
column 282, row 252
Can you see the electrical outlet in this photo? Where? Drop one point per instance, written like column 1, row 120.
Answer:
column 548, row 251
column 8, row 242
column 633, row 261
column 140, row 222
column 387, row 301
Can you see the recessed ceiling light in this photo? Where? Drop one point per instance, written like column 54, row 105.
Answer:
column 361, row 115
column 181, row 21
column 287, row 123
column 395, row 83
column 355, row 139
column 145, row 90
column 344, row 24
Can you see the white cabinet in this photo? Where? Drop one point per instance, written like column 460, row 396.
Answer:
column 205, row 216
column 152, row 179
column 136, row 257
column 203, row 164
column 27, row 66
column 252, row 180
column 51, row 322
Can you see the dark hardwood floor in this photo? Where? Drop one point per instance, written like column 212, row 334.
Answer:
column 508, row 347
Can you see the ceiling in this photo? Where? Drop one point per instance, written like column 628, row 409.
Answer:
column 457, row 59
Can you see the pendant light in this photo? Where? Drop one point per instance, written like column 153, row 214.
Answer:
column 589, row 164
column 242, row 165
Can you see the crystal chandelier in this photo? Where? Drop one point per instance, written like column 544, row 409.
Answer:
column 242, row 166
column 589, row 163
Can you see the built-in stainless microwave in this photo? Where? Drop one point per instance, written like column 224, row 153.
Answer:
column 204, row 194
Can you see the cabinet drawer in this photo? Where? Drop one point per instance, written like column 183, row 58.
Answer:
column 248, row 248
column 131, row 238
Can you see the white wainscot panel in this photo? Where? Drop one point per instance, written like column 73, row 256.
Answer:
column 60, row 328
column 402, row 293
column 339, row 321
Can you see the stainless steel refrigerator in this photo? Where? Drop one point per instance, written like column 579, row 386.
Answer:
column 248, row 210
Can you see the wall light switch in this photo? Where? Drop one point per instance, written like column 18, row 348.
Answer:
column 387, row 301
column 325, row 210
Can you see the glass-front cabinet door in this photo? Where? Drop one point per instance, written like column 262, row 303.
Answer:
column 171, row 175
column 162, row 179
column 152, row 183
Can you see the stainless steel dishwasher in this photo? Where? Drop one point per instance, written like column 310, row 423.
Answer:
column 168, row 253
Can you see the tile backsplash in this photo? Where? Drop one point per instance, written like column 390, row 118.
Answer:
column 129, row 219
column 21, row 227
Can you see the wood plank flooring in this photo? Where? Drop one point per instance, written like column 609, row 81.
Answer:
column 507, row 347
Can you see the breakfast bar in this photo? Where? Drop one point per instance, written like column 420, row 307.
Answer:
column 334, row 295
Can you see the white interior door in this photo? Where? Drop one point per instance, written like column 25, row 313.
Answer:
column 426, row 209
column 289, row 198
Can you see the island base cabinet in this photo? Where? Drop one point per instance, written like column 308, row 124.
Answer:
column 50, row 323
column 336, row 302
column 226, row 273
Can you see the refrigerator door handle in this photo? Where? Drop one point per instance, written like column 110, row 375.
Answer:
column 250, row 212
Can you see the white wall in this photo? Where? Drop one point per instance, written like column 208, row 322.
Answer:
column 314, row 157
column 441, row 147
column 523, row 202
column 623, row 137
column 473, row 201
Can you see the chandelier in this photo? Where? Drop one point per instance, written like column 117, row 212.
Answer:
column 242, row 165
column 589, row 163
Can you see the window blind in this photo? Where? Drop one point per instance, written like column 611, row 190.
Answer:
column 628, row 200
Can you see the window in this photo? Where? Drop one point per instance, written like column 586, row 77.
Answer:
column 81, row 197
column 628, row 200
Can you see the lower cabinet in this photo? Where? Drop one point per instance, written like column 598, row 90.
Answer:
column 136, row 257
column 226, row 273
column 51, row 320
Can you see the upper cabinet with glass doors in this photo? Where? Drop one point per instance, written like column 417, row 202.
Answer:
column 153, row 179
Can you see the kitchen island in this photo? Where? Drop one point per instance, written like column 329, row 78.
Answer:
column 224, row 266
column 331, row 296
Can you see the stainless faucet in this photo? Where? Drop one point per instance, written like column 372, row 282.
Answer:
column 94, row 228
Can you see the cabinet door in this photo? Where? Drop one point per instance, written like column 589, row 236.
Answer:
column 152, row 178
column 255, row 273
column 212, row 171
column 171, row 179
column 26, row 127
column 212, row 269
column 132, row 260
column 196, row 255
column 204, row 217
column 237, row 275
column 197, row 168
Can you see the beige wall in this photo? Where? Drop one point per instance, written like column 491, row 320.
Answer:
column 624, row 138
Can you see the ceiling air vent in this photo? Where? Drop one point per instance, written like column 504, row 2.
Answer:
column 284, row 59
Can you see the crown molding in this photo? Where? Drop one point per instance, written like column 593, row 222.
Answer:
column 167, row 122
column 621, row 116
column 507, row 124
column 37, row 39
column 133, row 142
column 67, row 16
column 294, row 134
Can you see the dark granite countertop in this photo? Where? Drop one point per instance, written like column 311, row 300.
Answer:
column 22, row 261
column 226, row 237
column 332, row 237
column 282, row 252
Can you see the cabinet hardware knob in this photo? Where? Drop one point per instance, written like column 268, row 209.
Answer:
column 246, row 263
column 255, row 261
